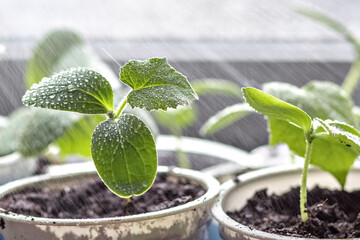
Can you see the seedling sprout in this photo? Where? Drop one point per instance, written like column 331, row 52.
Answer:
column 122, row 147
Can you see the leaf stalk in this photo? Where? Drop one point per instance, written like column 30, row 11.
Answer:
column 303, row 191
column 121, row 107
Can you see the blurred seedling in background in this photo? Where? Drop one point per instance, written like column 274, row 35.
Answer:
column 177, row 120
column 122, row 146
column 329, row 144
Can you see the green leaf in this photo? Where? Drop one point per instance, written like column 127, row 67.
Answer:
column 331, row 23
column 335, row 147
column 276, row 108
column 333, row 157
column 217, row 86
column 226, row 117
column 77, row 139
column 284, row 132
column 156, row 85
column 124, row 154
column 342, row 132
column 42, row 128
column 177, row 119
column 79, row 90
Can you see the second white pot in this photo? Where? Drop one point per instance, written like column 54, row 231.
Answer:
column 234, row 194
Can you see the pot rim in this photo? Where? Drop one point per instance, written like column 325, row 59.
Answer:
column 220, row 216
column 203, row 147
column 211, row 185
column 10, row 158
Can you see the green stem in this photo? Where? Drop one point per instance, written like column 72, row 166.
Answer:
column 182, row 157
column 121, row 107
column 303, row 193
column 352, row 78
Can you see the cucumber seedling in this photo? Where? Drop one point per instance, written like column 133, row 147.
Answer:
column 122, row 147
column 329, row 144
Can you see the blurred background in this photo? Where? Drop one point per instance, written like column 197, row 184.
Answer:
column 243, row 41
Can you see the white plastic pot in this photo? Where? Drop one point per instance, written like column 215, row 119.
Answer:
column 188, row 221
column 227, row 161
column 234, row 194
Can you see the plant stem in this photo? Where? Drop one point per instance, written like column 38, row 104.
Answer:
column 182, row 157
column 121, row 107
column 352, row 78
column 303, row 191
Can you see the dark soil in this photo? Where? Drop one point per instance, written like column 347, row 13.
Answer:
column 94, row 200
column 332, row 214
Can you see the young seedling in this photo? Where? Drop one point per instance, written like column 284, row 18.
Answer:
column 330, row 144
column 122, row 146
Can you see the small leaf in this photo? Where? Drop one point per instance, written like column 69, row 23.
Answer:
column 42, row 128
column 276, row 108
column 77, row 139
column 333, row 157
column 124, row 154
column 217, row 86
column 281, row 131
column 344, row 133
column 226, row 117
column 156, row 85
column 177, row 119
column 335, row 147
column 79, row 90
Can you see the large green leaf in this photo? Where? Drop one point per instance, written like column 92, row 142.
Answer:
column 156, row 85
column 177, row 119
column 124, row 154
column 281, row 131
column 77, row 139
column 225, row 117
column 217, row 86
column 42, row 128
column 276, row 108
column 321, row 99
column 80, row 90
